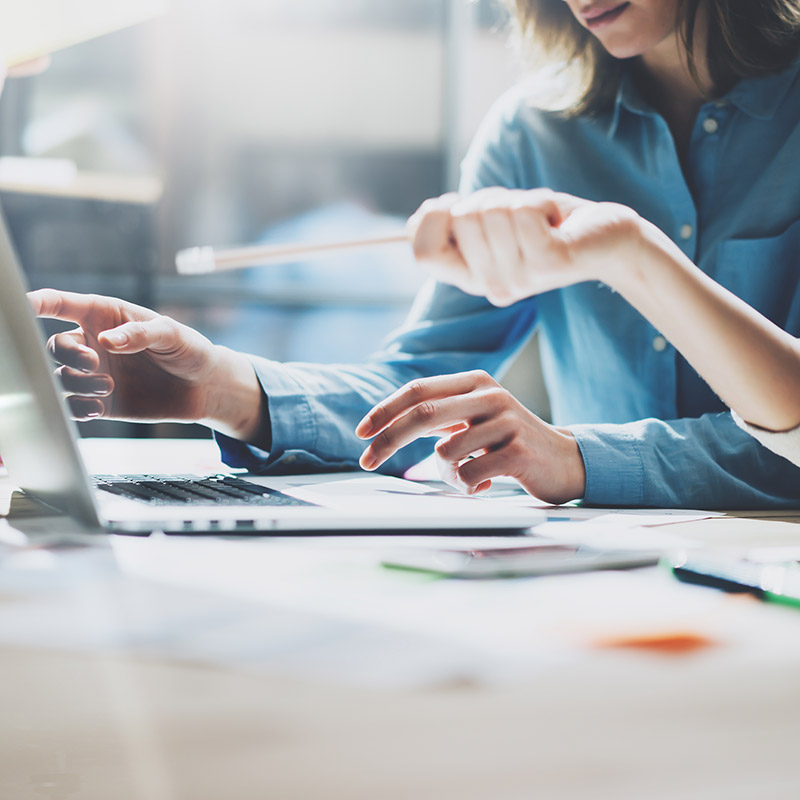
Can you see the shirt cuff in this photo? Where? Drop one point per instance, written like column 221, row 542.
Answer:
column 784, row 443
column 614, row 465
column 291, row 421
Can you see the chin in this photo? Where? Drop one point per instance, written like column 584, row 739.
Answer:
column 624, row 49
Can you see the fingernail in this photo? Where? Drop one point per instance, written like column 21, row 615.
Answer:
column 364, row 429
column 101, row 387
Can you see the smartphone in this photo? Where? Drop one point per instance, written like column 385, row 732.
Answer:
column 512, row 562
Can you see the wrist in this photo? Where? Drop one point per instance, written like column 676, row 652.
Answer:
column 647, row 250
column 631, row 239
column 235, row 402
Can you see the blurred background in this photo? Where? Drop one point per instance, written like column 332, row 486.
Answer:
column 229, row 122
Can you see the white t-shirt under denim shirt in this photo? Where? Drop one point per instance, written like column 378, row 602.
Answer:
column 784, row 443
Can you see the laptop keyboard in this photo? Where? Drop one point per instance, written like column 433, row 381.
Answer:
column 193, row 490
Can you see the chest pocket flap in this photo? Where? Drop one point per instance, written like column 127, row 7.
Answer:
column 765, row 273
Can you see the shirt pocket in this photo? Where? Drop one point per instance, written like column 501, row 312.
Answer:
column 765, row 273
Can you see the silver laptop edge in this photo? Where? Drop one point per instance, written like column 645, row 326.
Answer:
column 38, row 440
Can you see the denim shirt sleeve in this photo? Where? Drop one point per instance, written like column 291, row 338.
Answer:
column 315, row 408
column 706, row 462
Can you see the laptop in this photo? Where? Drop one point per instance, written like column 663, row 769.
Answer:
column 39, row 446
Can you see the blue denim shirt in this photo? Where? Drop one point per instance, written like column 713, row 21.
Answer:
column 651, row 432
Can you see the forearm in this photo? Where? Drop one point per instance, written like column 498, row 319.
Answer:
column 236, row 404
column 751, row 363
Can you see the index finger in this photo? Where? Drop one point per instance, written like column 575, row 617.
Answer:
column 67, row 306
column 416, row 392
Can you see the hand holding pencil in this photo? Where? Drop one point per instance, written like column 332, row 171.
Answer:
column 501, row 244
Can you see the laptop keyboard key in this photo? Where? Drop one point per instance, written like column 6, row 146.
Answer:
column 193, row 490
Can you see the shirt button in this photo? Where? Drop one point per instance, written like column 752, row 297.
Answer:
column 686, row 231
column 659, row 344
column 710, row 125
column 290, row 459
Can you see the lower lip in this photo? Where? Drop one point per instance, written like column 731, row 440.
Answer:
column 604, row 20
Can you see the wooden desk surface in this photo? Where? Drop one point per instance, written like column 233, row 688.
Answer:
column 114, row 719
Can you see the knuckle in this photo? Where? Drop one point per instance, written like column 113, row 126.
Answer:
column 466, row 471
column 495, row 210
column 626, row 219
column 444, row 448
column 383, row 442
column 170, row 328
column 481, row 377
column 498, row 396
column 426, row 411
column 54, row 301
column 96, row 303
column 493, row 399
column 376, row 417
column 466, row 214
column 508, row 420
column 415, row 390
column 520, row 451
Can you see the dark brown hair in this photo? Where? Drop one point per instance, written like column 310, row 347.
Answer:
column 746, row 38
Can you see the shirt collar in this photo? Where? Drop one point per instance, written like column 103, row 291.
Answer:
column 761, row 97
column 628, row 97
column 758, row 97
